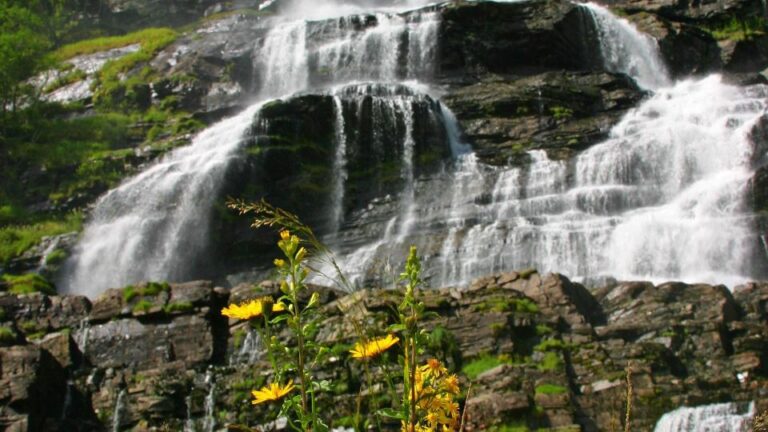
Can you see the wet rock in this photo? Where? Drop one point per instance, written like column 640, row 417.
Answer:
column 560, row 112
column 130, row 343
column 32, row 389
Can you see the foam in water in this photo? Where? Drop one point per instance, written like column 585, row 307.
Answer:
column 352, row 48
column 624, row 49
column 155, row 225
column 724, row 417
column 661, row 199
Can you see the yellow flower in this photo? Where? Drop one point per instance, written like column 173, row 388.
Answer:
column 366, row 350
column 433, row 368
column 452, row 384
column 271, row 392
column 285, row 234
column 279, row 263
column 252, row 309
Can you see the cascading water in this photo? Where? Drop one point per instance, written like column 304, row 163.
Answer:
column 155, row 225
column 725, row 417
column 351, row 48
column 662, row 198
column 624, row 49
column 120, row 407
column 339, row 167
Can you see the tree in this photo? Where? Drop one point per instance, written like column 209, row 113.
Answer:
column 22, row 53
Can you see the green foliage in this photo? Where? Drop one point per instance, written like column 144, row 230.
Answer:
column 526, row 305
column 22, row 46
column 543, row 330
column 111, row 90
column 150, row 37
column 151, row 289
column 15, row 239
column 738, row 28
column 551, row 362
column 27, row 284
column 561, row 113
column 552, row 344
column 70, row 77
column 550, row 389
column 510, row 427
column 180, row 307
column 483, row 363
column 143, row 306
column 3, row 314
column 56, row 257
column 7, row 335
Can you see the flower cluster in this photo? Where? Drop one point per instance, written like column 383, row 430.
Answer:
column 435, row 392
column 252, row 309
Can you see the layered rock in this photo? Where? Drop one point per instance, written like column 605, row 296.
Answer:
column 562, row 352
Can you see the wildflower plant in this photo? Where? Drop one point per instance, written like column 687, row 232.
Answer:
column 428, row 395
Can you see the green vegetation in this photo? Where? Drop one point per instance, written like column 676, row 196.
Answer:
column 551, row 362
column 519, row 426
column 7, row 335
column 143, row 306
column 739, row 28
column 150, row 37
column 551, row 345
column 550, row 389
column 56, row 257
column 27, row 284
column 180, row 307
column 15, row 239
column 70, row 77
column 482, row 364
column 561, row 113
column 22, row 49
column 151, row 289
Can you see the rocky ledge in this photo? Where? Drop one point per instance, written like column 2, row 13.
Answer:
column 540, row 351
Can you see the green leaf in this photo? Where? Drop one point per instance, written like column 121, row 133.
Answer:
column 396, row 328
column 391, row 413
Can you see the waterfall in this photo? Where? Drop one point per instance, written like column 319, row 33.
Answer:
column 724, row 417
column 209, row 422
column 624, row 49
column 299, row 54
column 661, row 199
column 81, row 337
column 250, row 351
column 339, row 168
column 120, row 407
column 154, row 226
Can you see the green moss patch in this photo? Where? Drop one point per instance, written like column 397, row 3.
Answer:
column 27, row 284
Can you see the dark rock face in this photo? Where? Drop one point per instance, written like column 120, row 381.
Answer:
column 562, row 112
column 515, row 38
column 563, row 351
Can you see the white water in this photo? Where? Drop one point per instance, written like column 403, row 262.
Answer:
column 120, row 407
column 209, row 421
column 296, row 55
column 624, row 49
column 155, row 225
column 725, row 417
column 250, row 351
column 339, row 168
column 662, row 199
